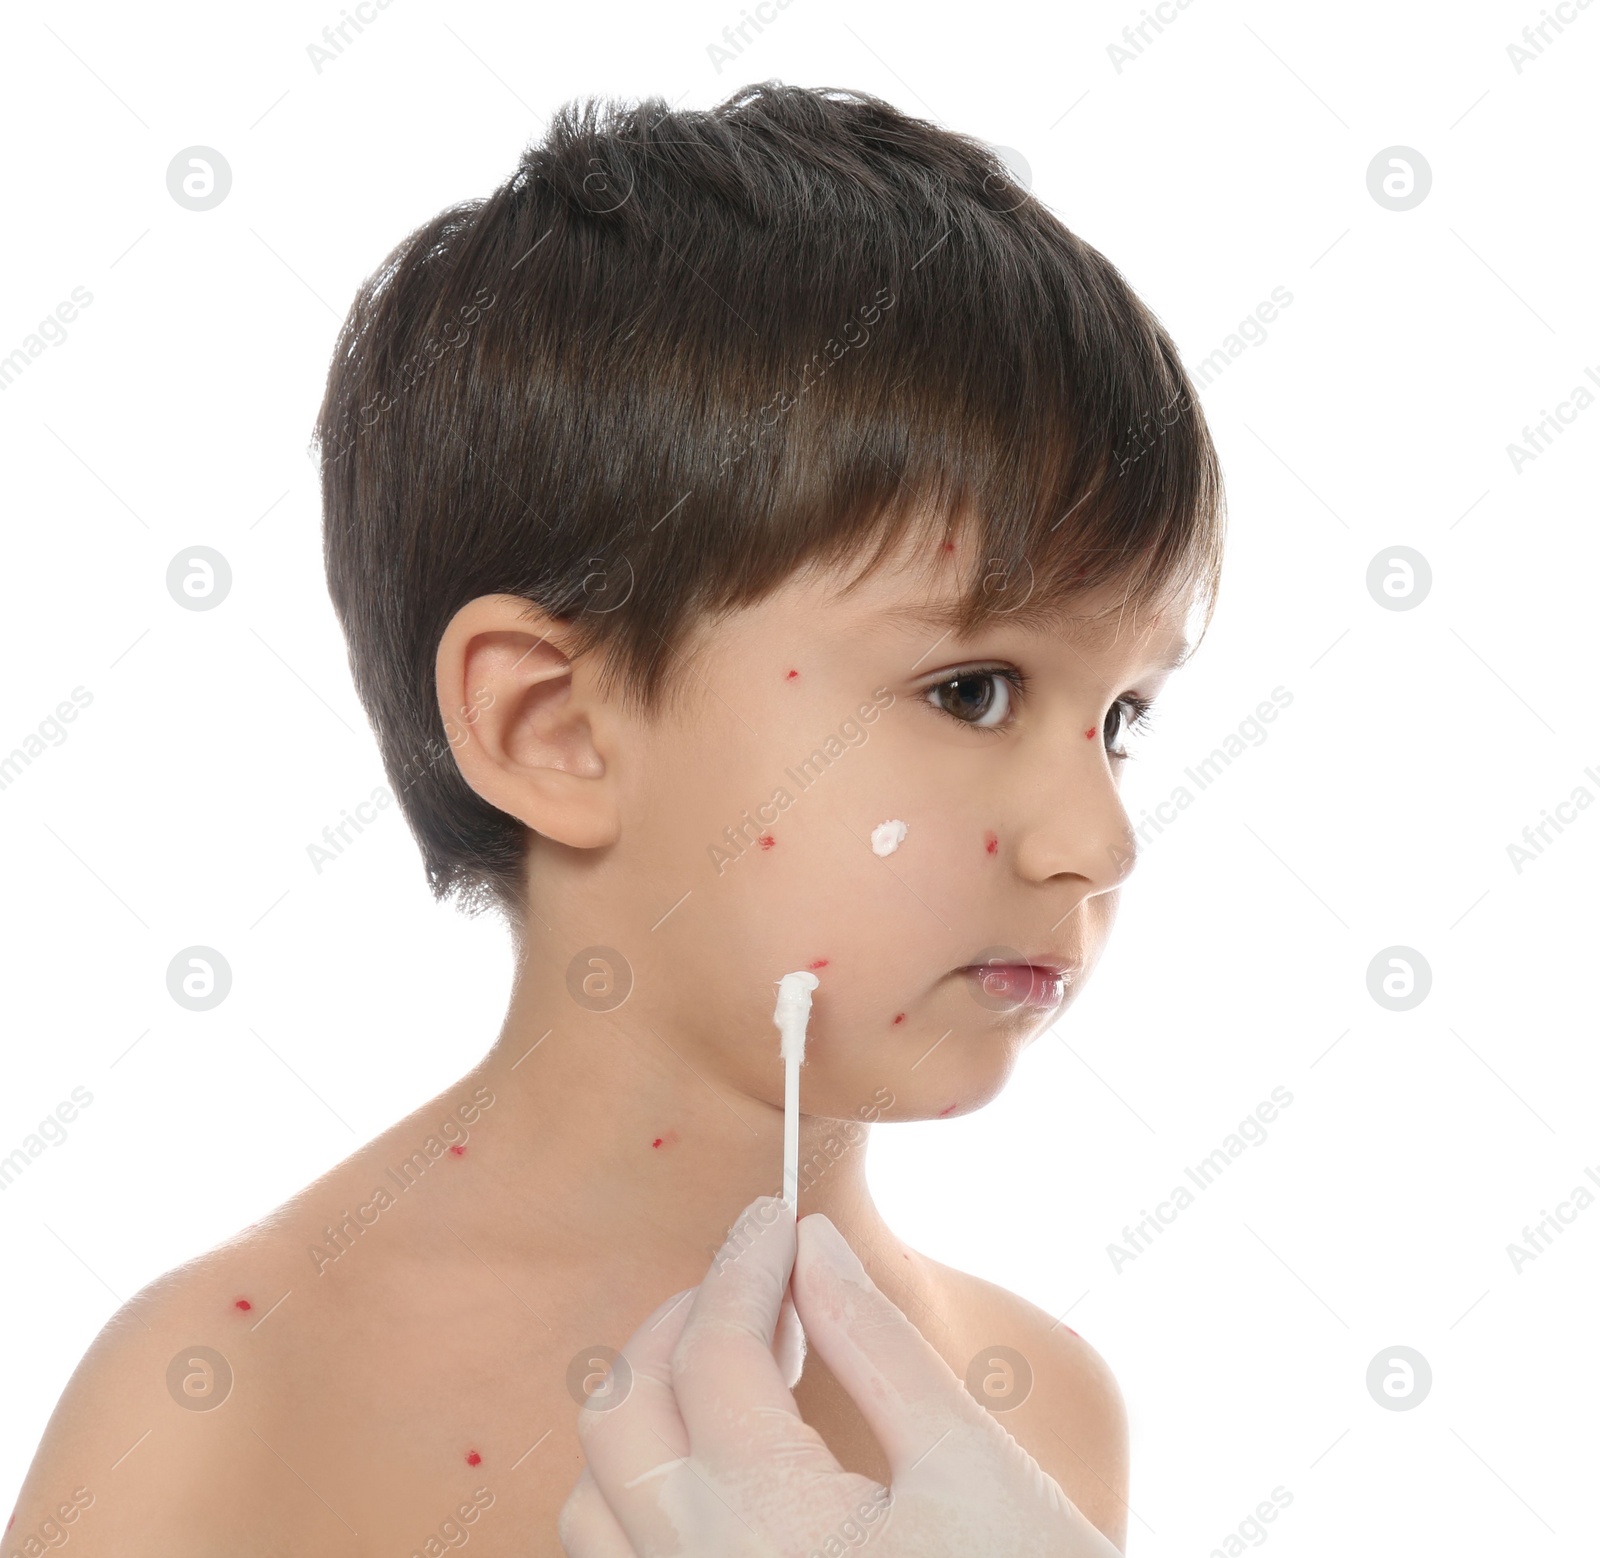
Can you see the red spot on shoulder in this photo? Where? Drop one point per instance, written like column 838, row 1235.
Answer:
column 766, row 841
column 791, row 676
column 473, row 1457
column 946, row 1110
column 990, row 842
column 458, row 1149
column 820, row 963
column 899, row 1017
column 241, row 1303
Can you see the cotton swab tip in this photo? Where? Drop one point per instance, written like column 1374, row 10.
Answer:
column 793, row 1011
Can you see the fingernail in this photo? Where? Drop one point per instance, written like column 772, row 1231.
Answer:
column 832, row 1249
column 762, row 1214
column 668, row 1307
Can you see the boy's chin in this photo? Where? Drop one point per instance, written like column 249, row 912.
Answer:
column 952, row 1095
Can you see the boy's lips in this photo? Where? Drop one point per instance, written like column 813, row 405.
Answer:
column 1008, row 984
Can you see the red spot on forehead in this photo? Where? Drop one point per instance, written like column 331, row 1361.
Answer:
column 820, row 963
column 791, row 676
column 899, row 1017
column 766, row 841
column 473, row 1457
column 990, row 842
column 458, row 1149
column 241, row 1303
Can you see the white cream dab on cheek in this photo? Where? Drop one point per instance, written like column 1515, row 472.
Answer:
column 887, row 837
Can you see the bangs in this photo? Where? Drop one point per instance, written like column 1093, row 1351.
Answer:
column 969, row 370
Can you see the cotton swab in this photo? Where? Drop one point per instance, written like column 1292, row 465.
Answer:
column 791, row 1015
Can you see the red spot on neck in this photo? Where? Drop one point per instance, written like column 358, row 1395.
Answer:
column 820, row 963
column 458, row 1149
column 791, row 676
column 473, row 1457
column 241, row 1303
column 990, row 842
column 899, row 1017
column 766, row 841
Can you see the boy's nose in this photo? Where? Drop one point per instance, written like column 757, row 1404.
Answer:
column 1073, row 824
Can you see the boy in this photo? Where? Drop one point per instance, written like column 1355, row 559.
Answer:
column 755, row 531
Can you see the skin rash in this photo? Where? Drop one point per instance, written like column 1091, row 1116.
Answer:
column 623, row 1143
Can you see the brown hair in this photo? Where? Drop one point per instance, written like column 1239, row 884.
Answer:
column 680, row 353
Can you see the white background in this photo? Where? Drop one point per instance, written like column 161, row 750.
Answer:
column 1229, row 158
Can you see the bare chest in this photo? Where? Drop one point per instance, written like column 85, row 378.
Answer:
column 453, row 1427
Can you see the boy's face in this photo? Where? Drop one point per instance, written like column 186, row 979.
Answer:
column 746, row 822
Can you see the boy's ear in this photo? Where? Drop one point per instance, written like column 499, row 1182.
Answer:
column 524, row 733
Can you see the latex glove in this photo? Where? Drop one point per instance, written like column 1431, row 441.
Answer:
column 706, row 1456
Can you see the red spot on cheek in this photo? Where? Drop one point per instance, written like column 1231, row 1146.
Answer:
column 473, row 1457
column 458, row 1149
column 820, row 963
column 1088, row 735
column 990, row 843
column 791, row 676
column 766, row 841
column 899, row 1017
column 241, row 1303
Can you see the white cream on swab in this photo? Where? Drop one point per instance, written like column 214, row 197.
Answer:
column 791, row 1015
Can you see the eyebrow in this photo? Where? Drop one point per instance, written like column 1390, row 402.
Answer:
column 1045, row 617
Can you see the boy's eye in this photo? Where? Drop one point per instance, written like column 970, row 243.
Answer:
column 1120, row 723
column 981, row 699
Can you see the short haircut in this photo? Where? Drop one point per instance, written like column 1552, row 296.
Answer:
column 680, row 353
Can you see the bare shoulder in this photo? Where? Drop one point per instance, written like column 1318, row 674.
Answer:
column 136, row 1458
column 1049, row 1388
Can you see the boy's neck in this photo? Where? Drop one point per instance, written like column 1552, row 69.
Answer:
column 609, row 1137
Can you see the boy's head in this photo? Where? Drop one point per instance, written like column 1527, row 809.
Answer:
column 636, row 475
